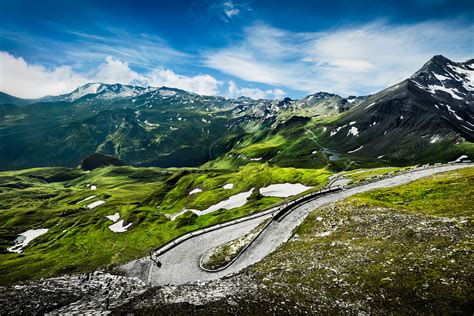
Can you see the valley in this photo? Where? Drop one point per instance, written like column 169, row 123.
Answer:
column 74, row 205
column 127, row 187
column 412, row 122
column 415, row 251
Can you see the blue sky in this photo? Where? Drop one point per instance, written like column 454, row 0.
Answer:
column 259, row 49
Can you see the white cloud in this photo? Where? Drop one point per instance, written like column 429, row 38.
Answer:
column 356, row 60
column 233, row 91
column 116, row 71
column 201, row 84
column 21, row 79
column 374, row 56
column 25, row 80
column 230, row 9
column 139, row 50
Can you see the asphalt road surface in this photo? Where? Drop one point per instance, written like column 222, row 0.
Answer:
column 181, row 264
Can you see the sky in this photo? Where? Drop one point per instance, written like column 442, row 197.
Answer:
column 259, row 49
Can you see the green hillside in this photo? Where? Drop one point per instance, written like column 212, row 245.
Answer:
column 79, row 239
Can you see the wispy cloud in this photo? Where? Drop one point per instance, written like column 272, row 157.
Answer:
column 355, row 60
column 82, row 49
column 228, row 10
column 142, row 50
column 352, row 60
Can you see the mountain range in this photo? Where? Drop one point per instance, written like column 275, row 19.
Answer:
column 428, row 117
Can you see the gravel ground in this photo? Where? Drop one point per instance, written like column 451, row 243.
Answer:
column 95, row 292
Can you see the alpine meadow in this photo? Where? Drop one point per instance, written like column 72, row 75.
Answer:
column 236, row 157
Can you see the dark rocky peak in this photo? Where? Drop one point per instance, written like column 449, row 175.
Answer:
column 285, row 102
column 323, row 95
column 441, row 75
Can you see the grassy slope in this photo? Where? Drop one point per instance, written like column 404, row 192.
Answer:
column 406, row 249
column 79, row 238
column 221, row 255
column 362, row 174
column 287, row 144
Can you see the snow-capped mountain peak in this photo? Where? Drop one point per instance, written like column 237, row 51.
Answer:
column 90, row 88
column 440, row 74
column 105, row 91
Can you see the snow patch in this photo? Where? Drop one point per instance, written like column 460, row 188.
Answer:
column 353, row 151
column 354, row 131
column 461, row 158
column 150, row 124
column 228, row 186
column 197, row 190
column 468, row 80
column 434, row 139
column 283, row 189
column 87, row 199
column 85, row 90
column 236, row 200
column 324, row 234
column 453, row 112
column 472, row 130
column 95, row 204
column 451, row 91
column 25, row 238
column 114, row 217
column 337, row 130
column 370, row 105
column 167, row 93
column 440, row 77
column 118, row 227
column 433, row 88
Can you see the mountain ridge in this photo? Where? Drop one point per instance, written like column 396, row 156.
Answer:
column 424, row 118
column 100, row 86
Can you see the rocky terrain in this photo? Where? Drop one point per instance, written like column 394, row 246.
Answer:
column 70, row 294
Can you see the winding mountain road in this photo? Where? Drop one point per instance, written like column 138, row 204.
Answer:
column 181, row 264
